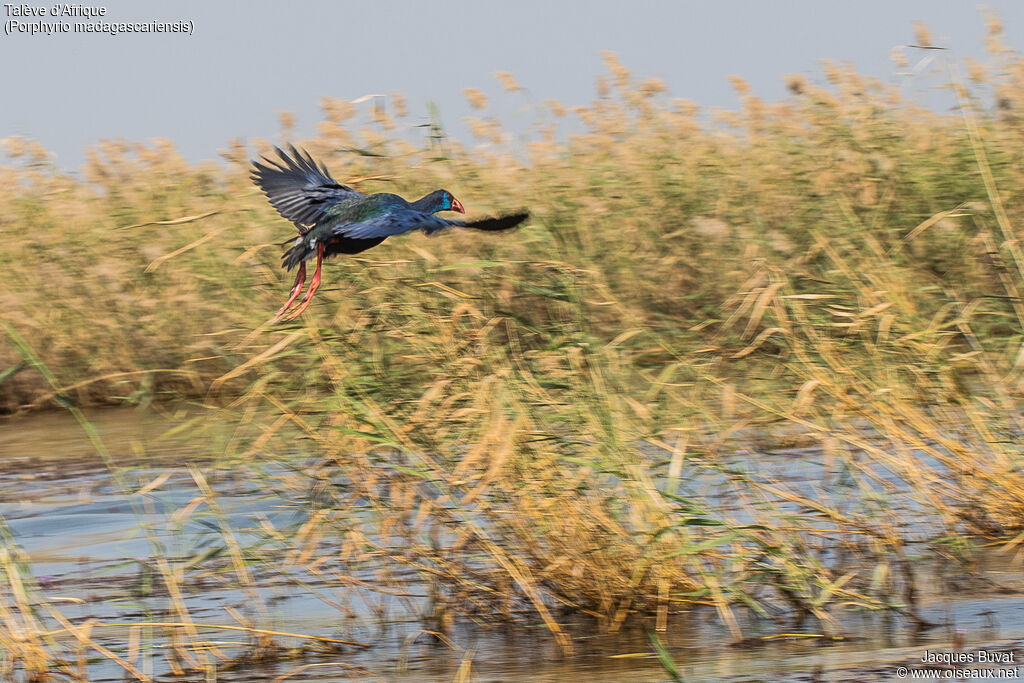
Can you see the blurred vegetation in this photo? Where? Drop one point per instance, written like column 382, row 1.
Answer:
column 556, row 417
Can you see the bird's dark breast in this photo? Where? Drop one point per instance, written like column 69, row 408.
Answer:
column 346, row 245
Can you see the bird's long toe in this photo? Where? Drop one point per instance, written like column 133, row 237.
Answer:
column 306, row 300
column 300, row 280
column 298, row 311
column 314, row 285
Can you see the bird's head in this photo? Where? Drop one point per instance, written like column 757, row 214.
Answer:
column 450, row 203
column 438, row 200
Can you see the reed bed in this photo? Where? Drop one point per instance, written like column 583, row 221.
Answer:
column 599, row 413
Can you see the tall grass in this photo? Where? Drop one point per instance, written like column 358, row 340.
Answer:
column 599, row 413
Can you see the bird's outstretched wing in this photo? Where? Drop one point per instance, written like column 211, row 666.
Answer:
column 400, row 221
column 300, row 190
column 505, row 222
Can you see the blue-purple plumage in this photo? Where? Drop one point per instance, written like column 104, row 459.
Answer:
column 335, row 219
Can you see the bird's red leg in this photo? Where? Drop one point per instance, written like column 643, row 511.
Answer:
column 314, row 284
column 300, row 279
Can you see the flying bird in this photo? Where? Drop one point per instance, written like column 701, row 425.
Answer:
column 335, row 219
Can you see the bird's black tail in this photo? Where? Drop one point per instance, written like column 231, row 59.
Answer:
column 299, row 252
column 304, row 248
column 494, row 224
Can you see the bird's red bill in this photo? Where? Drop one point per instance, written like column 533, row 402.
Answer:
column 457, row 206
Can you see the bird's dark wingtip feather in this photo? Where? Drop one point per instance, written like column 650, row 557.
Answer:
column 506, row 222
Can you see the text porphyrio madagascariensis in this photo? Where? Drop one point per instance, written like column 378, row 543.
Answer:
column 335, row 219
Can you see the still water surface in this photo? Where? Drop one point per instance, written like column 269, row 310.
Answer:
column 95, row 548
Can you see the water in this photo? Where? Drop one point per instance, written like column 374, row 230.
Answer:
column 95, row 551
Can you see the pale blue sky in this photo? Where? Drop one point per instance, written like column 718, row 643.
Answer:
column 248, row 60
